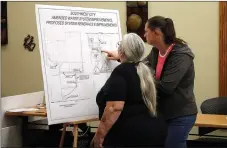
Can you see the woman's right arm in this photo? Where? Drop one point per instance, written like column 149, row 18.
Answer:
column 112, row 54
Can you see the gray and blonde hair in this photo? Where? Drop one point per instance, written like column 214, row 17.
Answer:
column 133, row 48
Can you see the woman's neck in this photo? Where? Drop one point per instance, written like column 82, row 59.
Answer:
column 163, row 48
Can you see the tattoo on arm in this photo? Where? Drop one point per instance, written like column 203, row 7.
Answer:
column 111, row 114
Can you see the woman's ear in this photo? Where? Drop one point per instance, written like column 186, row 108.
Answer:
column 157, row 31
column 120, row 53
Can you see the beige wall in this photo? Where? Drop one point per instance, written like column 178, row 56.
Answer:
column 196, row 22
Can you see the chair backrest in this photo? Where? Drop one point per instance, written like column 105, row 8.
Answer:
column 214, row 106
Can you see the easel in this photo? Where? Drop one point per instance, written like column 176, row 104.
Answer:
column 75, row 128
column 75, row 131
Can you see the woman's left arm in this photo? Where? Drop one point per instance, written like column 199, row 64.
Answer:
column 115, row 97
column 111, row 114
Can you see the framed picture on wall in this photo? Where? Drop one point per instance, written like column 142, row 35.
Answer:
column 4, row 25
column 137, row 15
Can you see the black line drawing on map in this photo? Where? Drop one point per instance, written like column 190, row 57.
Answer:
column 64, row 63
column 71, row 75
column 65, row 67
column 97, row 42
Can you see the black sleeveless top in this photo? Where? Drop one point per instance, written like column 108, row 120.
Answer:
column 135, row 125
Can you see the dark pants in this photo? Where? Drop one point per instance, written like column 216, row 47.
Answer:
column 178, row 131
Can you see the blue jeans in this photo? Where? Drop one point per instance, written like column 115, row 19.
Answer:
column 178, row 131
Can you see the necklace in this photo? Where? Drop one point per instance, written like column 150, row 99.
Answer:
column 170, row 47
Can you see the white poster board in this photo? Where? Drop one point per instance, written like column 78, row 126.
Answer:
column 74, row 68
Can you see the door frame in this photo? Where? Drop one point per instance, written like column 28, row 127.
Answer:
column 222, row 48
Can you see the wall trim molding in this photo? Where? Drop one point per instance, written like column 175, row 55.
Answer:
column 222, row 48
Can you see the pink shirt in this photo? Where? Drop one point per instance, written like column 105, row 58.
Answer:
column 161, row 62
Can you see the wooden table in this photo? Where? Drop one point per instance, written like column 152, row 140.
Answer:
column 203, row 120
column 41, row 112
column 210, row 120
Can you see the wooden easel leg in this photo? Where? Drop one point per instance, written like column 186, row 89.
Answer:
column 75, row 133
column 63, row 136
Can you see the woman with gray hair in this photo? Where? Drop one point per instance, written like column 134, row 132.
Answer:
column 127, row 101
column 172, row 62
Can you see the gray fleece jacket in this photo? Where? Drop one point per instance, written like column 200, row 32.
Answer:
column 176, row 86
